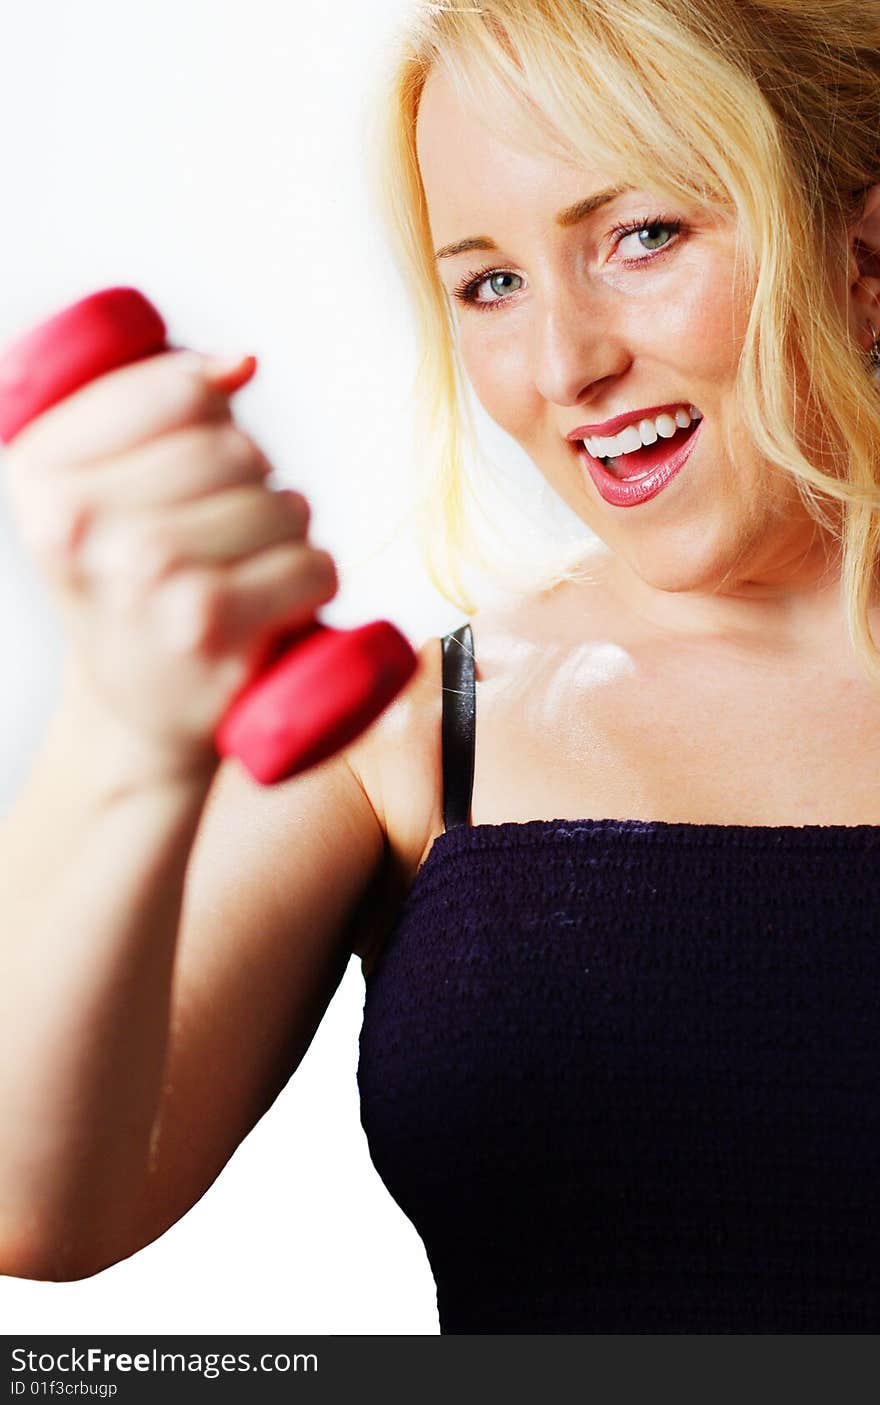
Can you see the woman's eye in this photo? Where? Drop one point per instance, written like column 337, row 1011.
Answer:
column 499, row 283
column 647, row 233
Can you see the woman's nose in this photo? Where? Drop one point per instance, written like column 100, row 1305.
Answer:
column 570, row 351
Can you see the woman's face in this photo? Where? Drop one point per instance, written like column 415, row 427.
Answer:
column 575, row 324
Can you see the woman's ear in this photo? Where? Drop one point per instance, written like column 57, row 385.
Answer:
column 864, row 288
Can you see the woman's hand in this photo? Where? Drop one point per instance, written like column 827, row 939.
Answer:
column 172, row 564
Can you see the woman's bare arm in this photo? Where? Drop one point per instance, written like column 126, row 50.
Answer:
column 167, row 955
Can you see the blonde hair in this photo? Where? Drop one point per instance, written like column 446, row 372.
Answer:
column 767, row 108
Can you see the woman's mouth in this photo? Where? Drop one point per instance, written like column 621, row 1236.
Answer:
column 636, row 477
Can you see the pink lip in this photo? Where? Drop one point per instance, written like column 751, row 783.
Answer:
column 620, row 493
column 586, row 431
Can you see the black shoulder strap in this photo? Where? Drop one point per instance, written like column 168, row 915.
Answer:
column 459, row 725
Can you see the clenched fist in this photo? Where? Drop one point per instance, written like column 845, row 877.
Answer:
column 173, row 566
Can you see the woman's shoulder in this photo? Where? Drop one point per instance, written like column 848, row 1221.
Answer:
column 399, row 760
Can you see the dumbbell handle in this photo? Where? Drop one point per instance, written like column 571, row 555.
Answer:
column 320, row 687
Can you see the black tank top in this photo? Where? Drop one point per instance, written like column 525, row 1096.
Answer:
column 622, row 1075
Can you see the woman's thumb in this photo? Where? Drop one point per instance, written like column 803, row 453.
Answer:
column 223, row 373
column 228, row 373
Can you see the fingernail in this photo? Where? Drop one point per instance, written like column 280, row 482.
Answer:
column 223, row 365
column 229, row 373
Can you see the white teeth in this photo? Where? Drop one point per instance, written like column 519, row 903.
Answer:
column 648, row 431
column 629, row 439
column 644, row 433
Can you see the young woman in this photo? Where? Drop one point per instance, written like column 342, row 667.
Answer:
column 617, row 904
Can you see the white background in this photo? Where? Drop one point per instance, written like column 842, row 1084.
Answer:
column 210, row 154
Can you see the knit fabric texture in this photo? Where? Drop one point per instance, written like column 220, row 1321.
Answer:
column 622, row 1076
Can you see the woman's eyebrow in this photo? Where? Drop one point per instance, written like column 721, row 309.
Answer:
column 572, row 214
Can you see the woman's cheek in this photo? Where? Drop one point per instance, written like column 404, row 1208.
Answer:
column 498, row 374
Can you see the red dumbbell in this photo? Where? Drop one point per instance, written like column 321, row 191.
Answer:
column 320, row 687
